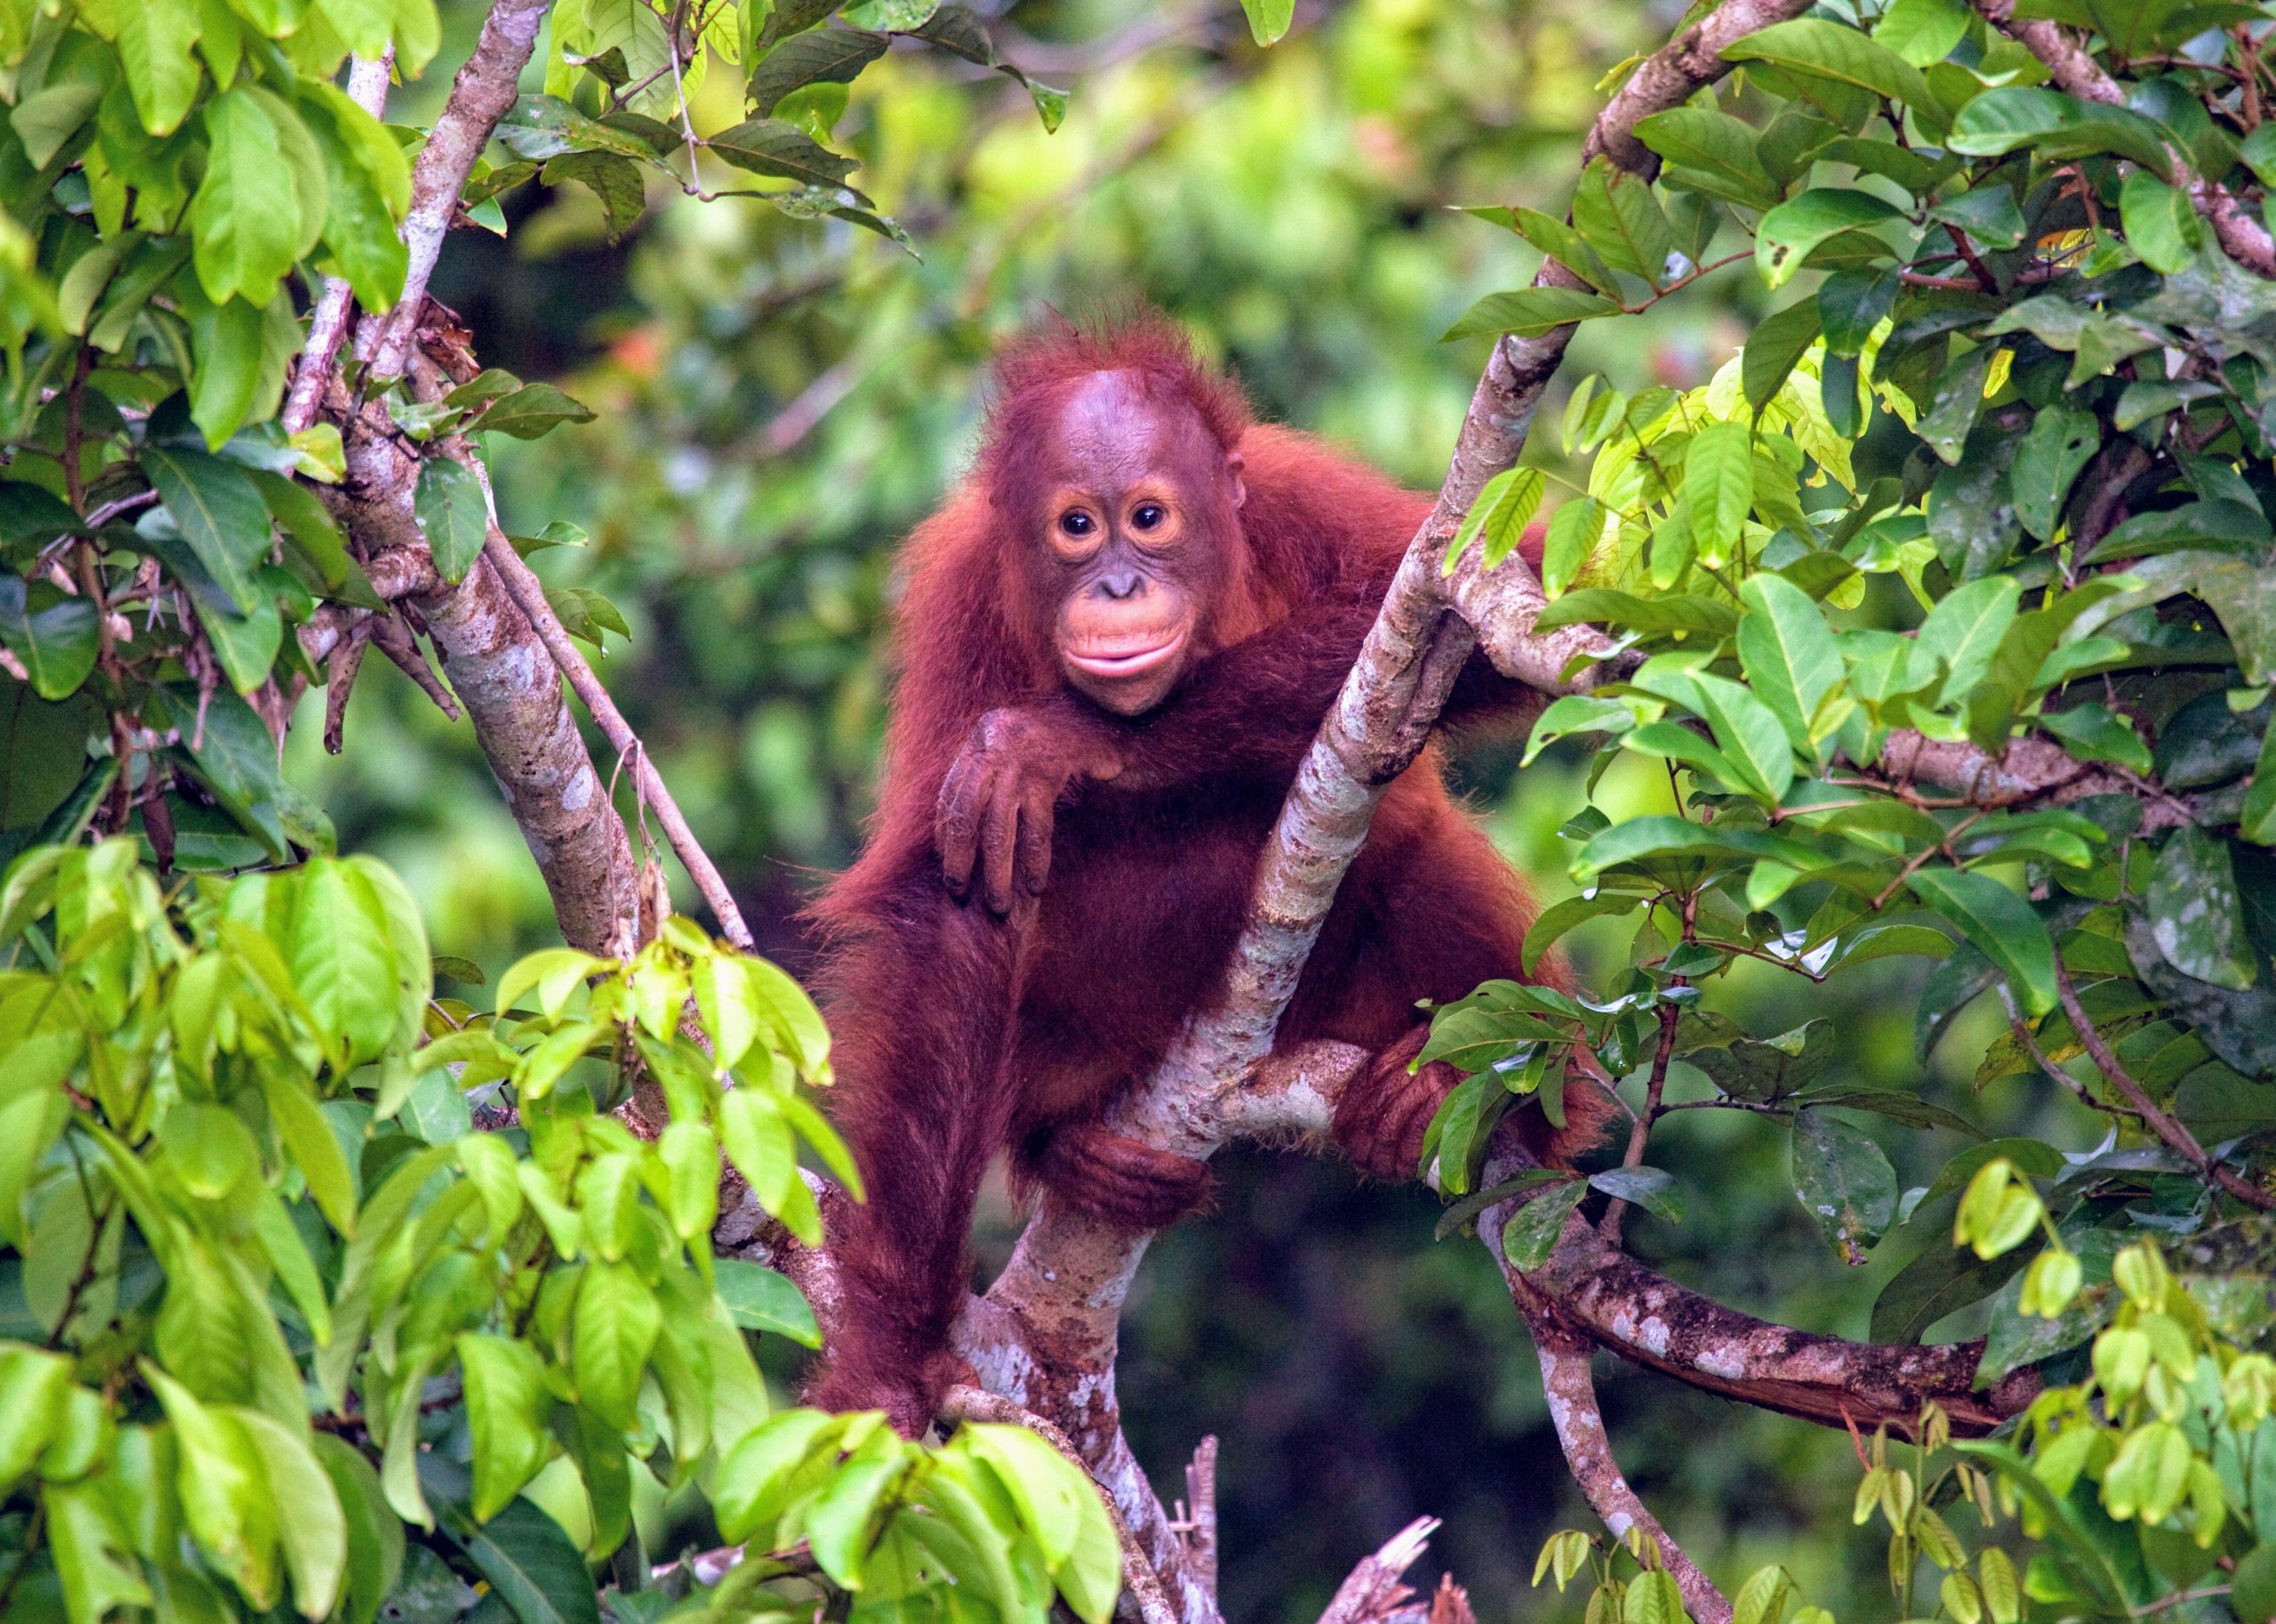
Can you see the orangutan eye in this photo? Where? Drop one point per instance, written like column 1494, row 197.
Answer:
column 1075, row 521
column 1148, row 516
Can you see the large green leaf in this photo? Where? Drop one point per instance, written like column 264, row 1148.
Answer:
column 2000, row 925
column 219, row 512
column 530, row 1565
column 770, row 146
column 54, row 634
column 760, row 1299
column 823, row 56
column 1835, row 50
column 1844, row 1181
column 1791, row 658
column 1639, row 838
column 2195, row 913
column 1529, row 312
column 245, row 242
column 454, row 513
column 1785, row 235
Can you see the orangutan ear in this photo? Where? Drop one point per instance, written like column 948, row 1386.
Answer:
column 1234, row 463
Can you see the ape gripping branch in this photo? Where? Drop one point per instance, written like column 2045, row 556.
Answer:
column 1042, row 1342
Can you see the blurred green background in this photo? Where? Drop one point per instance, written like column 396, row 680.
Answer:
column 779, row 402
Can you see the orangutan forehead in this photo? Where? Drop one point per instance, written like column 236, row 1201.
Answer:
column 1113, row 429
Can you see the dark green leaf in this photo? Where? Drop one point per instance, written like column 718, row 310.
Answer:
column 53, row 633
column 2195, row 913
column 530, row 1564
column 1999, row 923
column 759, row 1299
column 833, row 56
column 453, row 513
column 1772, row 349
column 770, row 147
column 1528, row 313
column 1844, row 1181
column 219, row 512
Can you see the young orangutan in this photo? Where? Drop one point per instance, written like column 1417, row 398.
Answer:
column 1118, row 639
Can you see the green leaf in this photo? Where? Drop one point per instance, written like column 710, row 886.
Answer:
column 1532, row 1233
column 340, row 960
column 770, row 147
column 1558, row 241
column 2060, row 442
column 840, row 1523
column 829, row 56
column 1606, row 606
column 1834, row 51
column 314, row 1535
column 154, row 41
column 530, row 1564
column 219, row 512
column 453, row 513
column 2161, row 224
column 1778, row 342
column 1714, row 152
column 1785, row 235
column 759, row 1299
column 616, row 1324
column 244, row 242
column 1528, row 312
column 1954, row 404
column 1575, row 530
column 1844, row 1181
column 507, row 1405
column 1964, row 630
column 56, row 636
column 1789, row 656
column 2001, row 925
column 1505, row 505
column 2195, row 913
column 1639, row 838
column 1268, row 20
column 2090, row 732
column 530, row 411
column 1719, row 488
column 1616, row 214
column 2054, row 127
column 1653, row 1188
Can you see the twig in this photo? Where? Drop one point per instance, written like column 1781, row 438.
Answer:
column 393, row 638
column 523, row 586
column 339, row 677
column 970, row 1403
column 2022, row 1034
column 2167, row 1127
column 367, row 88
column 1639, row 1131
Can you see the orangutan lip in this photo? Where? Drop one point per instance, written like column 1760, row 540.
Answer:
column 1127, row 665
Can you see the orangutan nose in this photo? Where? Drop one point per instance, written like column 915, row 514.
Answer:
column 1121, row 583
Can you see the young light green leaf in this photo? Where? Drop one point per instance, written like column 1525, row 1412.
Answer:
column 244, row 242
column 1791, row 658
column 1718, row 489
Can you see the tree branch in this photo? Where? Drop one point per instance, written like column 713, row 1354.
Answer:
column 480, row 96
column 367, row 88
column 1570, row 1389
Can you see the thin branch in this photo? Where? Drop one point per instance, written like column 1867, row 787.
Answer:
column 1570, row 1389
column 367, row 88
column 2160, row 1122
column 523, row 586
column 1201, row 1518
column 1639, row 1131
column 2023, row 1035
column 970, row 1403
column 480, row 96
